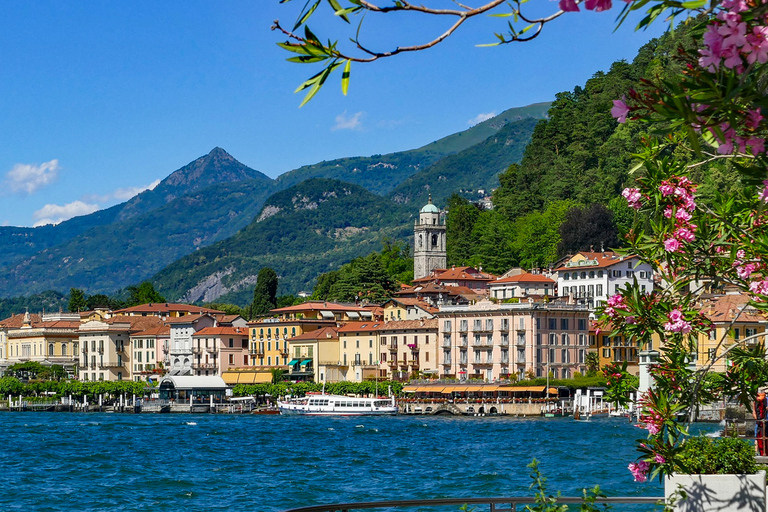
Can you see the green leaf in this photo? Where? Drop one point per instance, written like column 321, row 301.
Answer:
column 305, row 16
column 345, row 77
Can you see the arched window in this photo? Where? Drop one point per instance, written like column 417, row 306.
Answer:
column 50, row 349
column 63, row 349
column 599, row 273
column 269, row 333
column 261, row 333
column 574, row 275
column 293, row 331
column 591, row 274
column 434, row 240
column 566, row 276
column 583, row 275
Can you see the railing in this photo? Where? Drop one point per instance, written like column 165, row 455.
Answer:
column 197, row 350
column 494, row 504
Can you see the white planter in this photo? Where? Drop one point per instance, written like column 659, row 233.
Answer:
column 721, row 493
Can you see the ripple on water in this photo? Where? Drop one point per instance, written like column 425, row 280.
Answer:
column 271, row 463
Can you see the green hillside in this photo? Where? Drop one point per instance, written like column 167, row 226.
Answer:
column 397, row 167
column 302, row 231
column 475, row 168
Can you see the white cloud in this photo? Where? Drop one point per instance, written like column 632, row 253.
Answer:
column 28, row 178
column 347, row 122
column 123, row 194
column 54, row 213
column 479, row 118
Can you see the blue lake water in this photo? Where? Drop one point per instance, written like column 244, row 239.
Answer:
column 100, row 461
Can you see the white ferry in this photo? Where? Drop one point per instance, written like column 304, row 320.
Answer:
column 337, row 405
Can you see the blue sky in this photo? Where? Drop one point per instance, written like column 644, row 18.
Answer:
column 99, row 100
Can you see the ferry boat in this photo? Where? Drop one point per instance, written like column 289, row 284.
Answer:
column 336, row 405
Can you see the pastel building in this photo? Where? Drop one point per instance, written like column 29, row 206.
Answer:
column 149, row 353
column 522, row 286
column 315, row 356
column 359, row 350
column 48, row 339
column 218, row 349
column 498, row 341
column 182, row 329
column 408, row 348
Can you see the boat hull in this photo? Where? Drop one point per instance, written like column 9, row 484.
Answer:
column 336, row 405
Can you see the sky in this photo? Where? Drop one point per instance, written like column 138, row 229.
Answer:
column 100, row 100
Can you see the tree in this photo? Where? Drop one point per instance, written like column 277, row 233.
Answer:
column 143, row 294
column 494, row 237
column 77, row 300
column 590, row 228
column 101, row 301
column 277, row 375
column 593, row 363
column 459, row 227
column 265, row 293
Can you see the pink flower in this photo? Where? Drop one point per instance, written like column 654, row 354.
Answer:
column 666, row 189
column 759, row 287
column 685, row 234
column 598, row 6
column 616, row 300
column 683, row 215
column 620, row 109
column 653, row 429
column 764, row 193
column 675, row 315
column 753, row 117
column 639, row 470
column 568, row 5
column 630, row 320
column 659, row 459
column 633, row 196
column 672, row 245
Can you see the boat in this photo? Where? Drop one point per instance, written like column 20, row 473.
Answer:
column 323, row 404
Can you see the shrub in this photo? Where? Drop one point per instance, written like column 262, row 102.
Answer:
column 729, row 455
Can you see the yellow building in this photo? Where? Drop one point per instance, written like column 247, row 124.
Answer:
column 408, row 348
column 359, row 350
column 269, row 337
column 613, row 349
column 733, row 320
column 315, row 356
column 52, row 340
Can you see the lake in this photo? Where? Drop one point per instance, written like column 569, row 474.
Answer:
column 101, row 461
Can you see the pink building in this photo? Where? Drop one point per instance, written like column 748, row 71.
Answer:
column 218, row 349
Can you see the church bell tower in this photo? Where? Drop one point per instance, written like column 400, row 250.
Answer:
column 429, row 241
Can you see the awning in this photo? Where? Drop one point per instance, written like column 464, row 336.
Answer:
column 474, row 388
column 230, row 378
column 326, row 314
column 247, row 378
column 409, row 389
column 293, row 362
column 353, row 314
column 306, row 362
column 366, row 314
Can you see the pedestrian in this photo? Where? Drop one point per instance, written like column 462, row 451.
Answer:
column 759, row 410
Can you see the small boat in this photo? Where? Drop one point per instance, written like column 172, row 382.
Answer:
column 336, row 405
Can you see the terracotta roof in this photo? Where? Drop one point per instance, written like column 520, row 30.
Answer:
column 456, row 274
column 360, row 326
column 409, row 325
column 222, row 331
column 186, row 319
column 167, row 307
column 137, row 323
column 725, row 308
column 524, row 278
column 604, row 259
column 227, row 319
column 317, row 334
column 58, row 324
column 162, row 330
column 317, row 306
column 16, row 321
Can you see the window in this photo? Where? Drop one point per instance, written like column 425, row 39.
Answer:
column 538, row 323
column 564, row 324
column 591, row 274
column 50, row 349
column 477, row 325
column 599, row 274
column 736, row 334
column 617, row 273
column 231, row 343
column 606, row 353
column 582, row 324
column 269, row 360
column 447, row 326
column 552, row 324
column 489, row 324
column 629, row 264
column 370, row 343
column 463, row 326
column 232, row 359
column 551, row 355
column 599, row 290
column 630, row 274
column 565, row 339
column 566, row 276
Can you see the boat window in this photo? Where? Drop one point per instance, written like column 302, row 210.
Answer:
column 368, row 404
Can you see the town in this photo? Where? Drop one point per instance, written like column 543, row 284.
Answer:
column 455, row 323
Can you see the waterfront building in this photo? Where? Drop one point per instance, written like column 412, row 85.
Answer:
column 359, row 350
column 315, row 356
column 733, row 320
column 13, row 322
column 165, row 310
column 149, row 353
column 269, row 337
column 522, row 286
column 48, row 339
column 591, row 277
column 107, row 354
column 218, row 349
column 429, row 252
column 230, row 320
column 182, row 329
column 614, row 349
column 408, row 348
column 497, row 341
column 407, row 309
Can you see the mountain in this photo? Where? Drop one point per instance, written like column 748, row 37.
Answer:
column 309, row 228
column 118, row 253
column 367, row 171
column 475, row 168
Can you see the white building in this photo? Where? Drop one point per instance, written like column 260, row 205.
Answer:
column 591, row 277
column 182, row 329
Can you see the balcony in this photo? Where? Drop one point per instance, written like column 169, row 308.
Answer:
column 197, row 350
column 120, row 349
column 85, row 350
column 446, row 344
column 504, row 327
column 464, row 343
column 110, row 364
column 283, row 351
column 447, row 362
column 504, row 342
column 211, row 350
column 257, row 352
column 520, row 360
column 415, row 365
column 204, row 366
column 393, row 348
column 393, row 364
